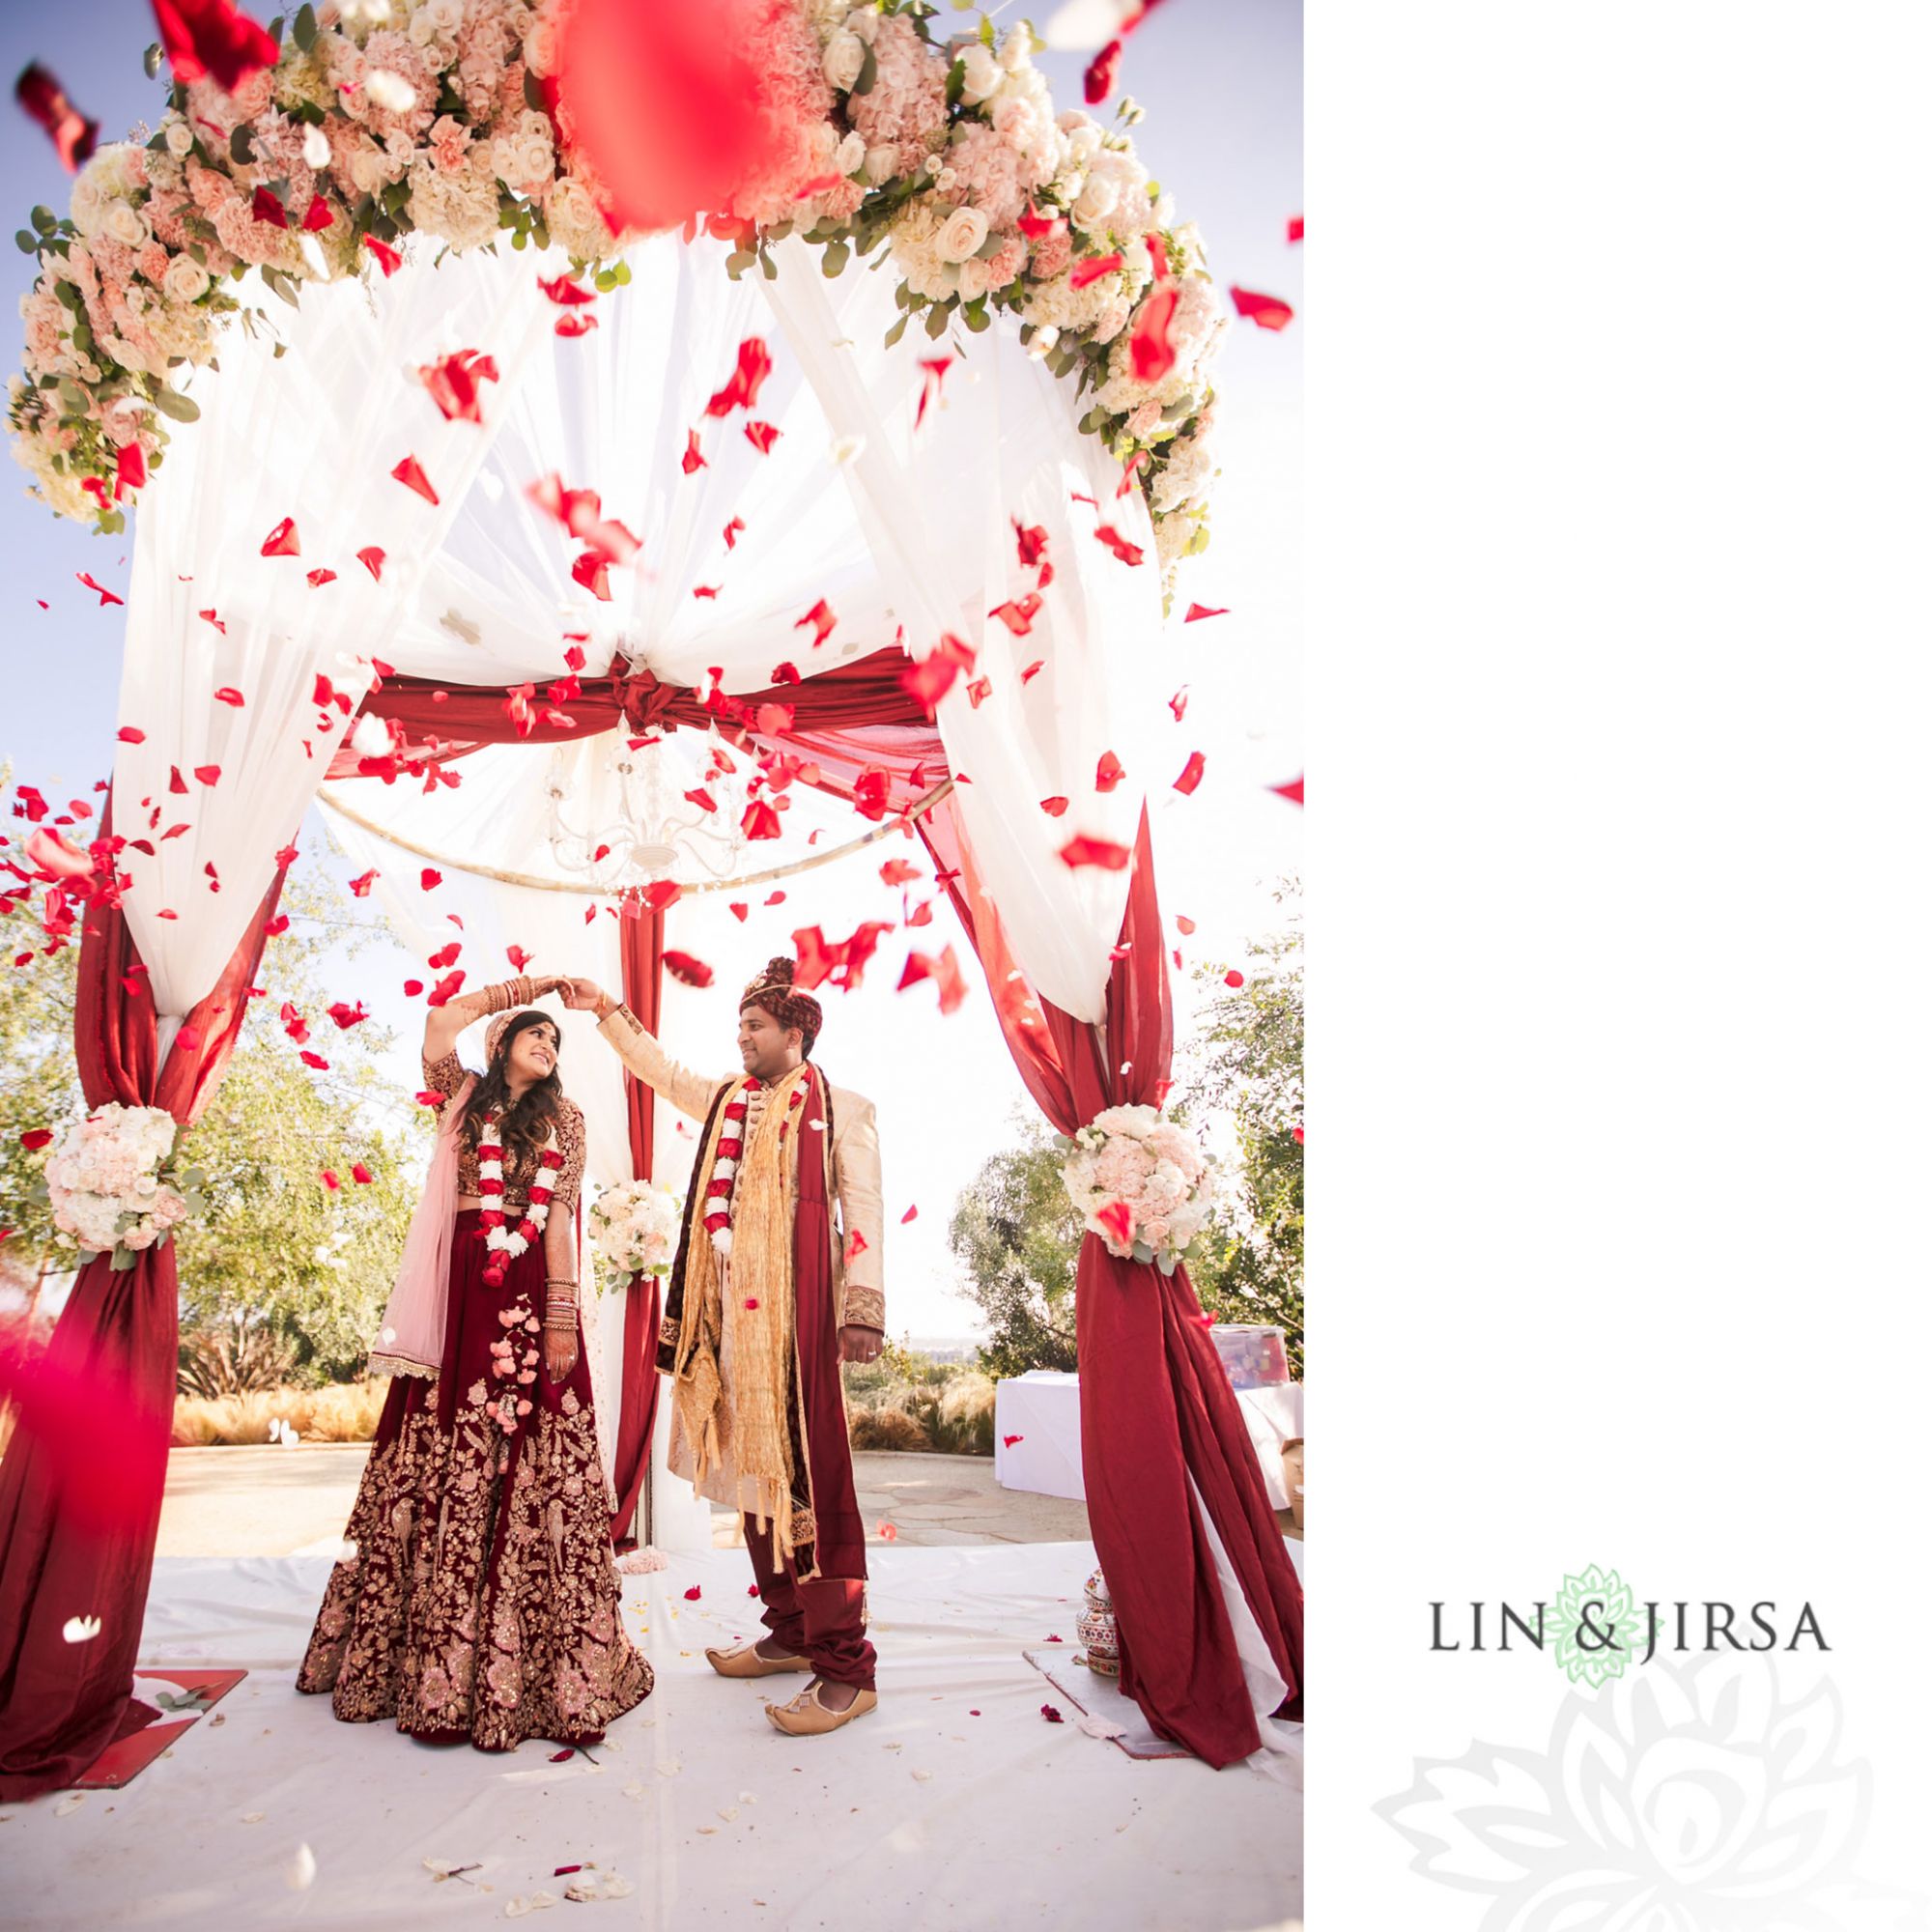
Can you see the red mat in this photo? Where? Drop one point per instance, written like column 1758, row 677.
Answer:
column 190, row 1694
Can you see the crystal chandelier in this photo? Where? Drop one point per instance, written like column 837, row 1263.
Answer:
column 657, row 830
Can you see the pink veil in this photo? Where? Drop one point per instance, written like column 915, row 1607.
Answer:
column 409, row 1341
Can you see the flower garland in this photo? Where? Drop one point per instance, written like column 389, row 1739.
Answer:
column 1140, row 1184
column 505, row 1242
column 731, row 1150
column 635, row 1227
column 114, row 1185
column 444, row 118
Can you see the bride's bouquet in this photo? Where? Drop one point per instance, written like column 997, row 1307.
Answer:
column 1142, row 1183
column 635, row 1226
column 114, row 1185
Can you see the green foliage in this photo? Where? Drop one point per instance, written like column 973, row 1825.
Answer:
column 276, row 1250
column 1018, row 1237
column 1244, row 1071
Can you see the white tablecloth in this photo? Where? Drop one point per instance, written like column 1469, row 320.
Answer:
column 1037, row 1432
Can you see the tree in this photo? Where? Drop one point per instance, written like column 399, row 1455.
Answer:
column 278, row 1247
column 1018, row 1236
column 1244, row 1067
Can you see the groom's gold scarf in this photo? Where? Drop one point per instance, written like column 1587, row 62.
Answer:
column 750, row 1294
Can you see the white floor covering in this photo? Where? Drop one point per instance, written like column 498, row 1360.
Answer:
column 920, row 1815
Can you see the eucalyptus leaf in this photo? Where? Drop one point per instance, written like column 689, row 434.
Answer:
column 868, row 73
column 43, row 218
column 123, row 1259
column 241, row 145
column 936, row 320
column 833, row 261
column 150, row 60
column 896, row 330
column 27, row 241
column 770, row 267
column 179, row 408
column 304, row 30
column 532, row 91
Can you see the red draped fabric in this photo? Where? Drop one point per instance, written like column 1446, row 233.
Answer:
column 1156, row 1409
column 642, row 941
column 77, row 1526
column 443, row 722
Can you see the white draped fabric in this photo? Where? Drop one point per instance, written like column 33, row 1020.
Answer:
column 903, row 531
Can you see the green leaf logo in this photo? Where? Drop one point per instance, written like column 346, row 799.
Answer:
column 1599, row 1629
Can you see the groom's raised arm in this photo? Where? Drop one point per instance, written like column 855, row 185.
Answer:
column 688, row 1093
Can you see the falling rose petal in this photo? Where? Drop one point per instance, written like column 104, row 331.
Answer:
column 208, row 775
column 431, row 878
column 1294, row 228
column 784, row 673
column 943, row 970
column 1102, row 852
column 888, row 1532
column 932, row 370
column 687, row 970
column 131, row 469
column 408, row 472
column 372, row 560
column 1017, row 614
column 1183, row 924
column 1033, row 670
column 740, row 391
column 705, row 589
column 732, row 531
column 45, row 102
column 1190, row 774
column 910, row 1215
column 316, row 217
column 360, row 887
column 360, row 1173
column 1297, row 1135
column 1292, row 791
column 106, row 595
column 1235, row 977
column 1032, row 539
column 566, row 292
column 209, row 40
column 591, row 571
column 694, row 455
column 267, row 208
column 131, row 734
column 1054, row 807
column 691, row 1595
column 1128, row 553
column 822, row 621
column 455, row 384
column 579, row 321
column 387, row 259
column 282, row 540
column 761, row 436
column 1092, row 268
column 1102, row 71
column 1266, row 311
column 228, row 695
column 1108, row 773
column 319, row 576
column 1118, row 1219
column 331, row 1179
column 1012, row 1440
column 896, row 872
column 1154, row 354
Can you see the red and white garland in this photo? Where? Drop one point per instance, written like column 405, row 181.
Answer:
column 725, row 1169
column 505, row 1242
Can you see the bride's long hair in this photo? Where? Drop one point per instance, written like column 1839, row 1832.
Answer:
column 524, row 1124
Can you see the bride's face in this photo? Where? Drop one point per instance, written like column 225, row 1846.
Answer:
column 532, row 1055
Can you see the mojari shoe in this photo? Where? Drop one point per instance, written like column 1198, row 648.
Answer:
column 805, row 1717
column 743, row 1660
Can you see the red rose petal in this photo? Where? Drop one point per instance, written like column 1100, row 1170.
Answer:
column 1108, row 773
column 408, row 472
column 210, row 39
column 1092, row 267
column 1102, row 852
column 1128, row 553
column 1102, row 71
column 1266, row 311
column 740, row 391
column 106, row 595
column 1294, row 228
column 693, row 454
column 387, row 259
column 45, row 103
column 282, row 540
column 455, row 384
column 761, row 436
column 372, row 559
column 228, row 695
column 1190, row 774
column 1152, row 354
column 687, row 970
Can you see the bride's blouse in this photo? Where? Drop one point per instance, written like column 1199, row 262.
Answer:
column 446, row 1076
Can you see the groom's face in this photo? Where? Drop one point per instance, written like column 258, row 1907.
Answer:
column 764, row 1046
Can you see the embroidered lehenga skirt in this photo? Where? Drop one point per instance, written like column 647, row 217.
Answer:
column 481, row 1599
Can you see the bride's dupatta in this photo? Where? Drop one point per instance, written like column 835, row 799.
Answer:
column 409, row 1341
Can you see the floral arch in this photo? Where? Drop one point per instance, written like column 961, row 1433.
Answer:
column 437, row 520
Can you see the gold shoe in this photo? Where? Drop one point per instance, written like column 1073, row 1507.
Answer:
column 743, row 1660
column 805, row 1717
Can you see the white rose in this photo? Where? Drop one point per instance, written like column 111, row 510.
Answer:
column 447, row 15
column 1082, row 142
column 845, row 56
column 964, row 230
column 179, row 138
column 88, row 205
column 983, row 74
column 863, row 22
column 1015, row 52
column 540, row 45
column 422, row 29
column 851, row 154
column 882, row 162
column 126, row 225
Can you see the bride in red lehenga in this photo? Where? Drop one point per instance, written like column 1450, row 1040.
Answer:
column 481, row 1599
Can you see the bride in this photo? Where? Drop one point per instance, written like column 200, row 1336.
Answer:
column 480, row 1601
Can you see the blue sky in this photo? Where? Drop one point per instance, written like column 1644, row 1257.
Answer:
column 1221, row 84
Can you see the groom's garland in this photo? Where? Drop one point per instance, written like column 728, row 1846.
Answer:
column 447, row 122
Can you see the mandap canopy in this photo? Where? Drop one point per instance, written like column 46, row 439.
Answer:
column 367, row 575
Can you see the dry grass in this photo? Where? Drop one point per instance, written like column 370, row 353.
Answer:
column 341, row 1412
column 885, row 1429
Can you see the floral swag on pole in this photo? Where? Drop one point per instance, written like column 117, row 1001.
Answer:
column 115, row 1186
column 381, row 118
column 1141, row 1182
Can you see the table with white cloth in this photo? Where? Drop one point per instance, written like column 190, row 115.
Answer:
column 1037, row 1432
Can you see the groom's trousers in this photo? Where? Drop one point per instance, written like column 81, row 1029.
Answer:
column 823, row 1620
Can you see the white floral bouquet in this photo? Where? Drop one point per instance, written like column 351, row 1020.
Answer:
column 1142, row 1183
column 114, row 1186
column 635, row 1227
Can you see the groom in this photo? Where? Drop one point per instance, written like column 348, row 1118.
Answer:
column 766, row 1298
